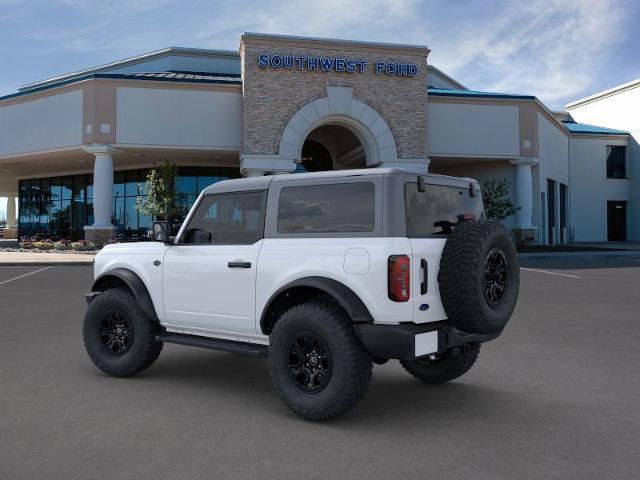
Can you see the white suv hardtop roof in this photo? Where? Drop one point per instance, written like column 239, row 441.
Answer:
column 262, row 183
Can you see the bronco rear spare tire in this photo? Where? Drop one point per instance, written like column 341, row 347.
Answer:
column 479, row 277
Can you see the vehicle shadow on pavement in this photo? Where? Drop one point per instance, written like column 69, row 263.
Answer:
column 393, row 397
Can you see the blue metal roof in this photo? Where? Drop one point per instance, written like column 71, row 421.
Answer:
column 575, row 127
column 176, row 75
column 173, row 76
column 444, row 92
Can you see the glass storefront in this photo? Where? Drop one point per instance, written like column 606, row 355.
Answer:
column 59, row 207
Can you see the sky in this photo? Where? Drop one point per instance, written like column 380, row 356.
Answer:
column 558, row 50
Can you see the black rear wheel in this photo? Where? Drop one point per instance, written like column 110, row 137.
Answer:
column 451, row 365
column 119, row 339
column 318, row 366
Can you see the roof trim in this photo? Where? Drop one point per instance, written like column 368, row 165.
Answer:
column 442, row 92
column 335, row 41
column 132, row 61
column 593, row 129
column 446, row 76
column 604, row 93
column 117, row 76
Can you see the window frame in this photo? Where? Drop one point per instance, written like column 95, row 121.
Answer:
column 273, row 202
column 608, row 150
column 201, row 198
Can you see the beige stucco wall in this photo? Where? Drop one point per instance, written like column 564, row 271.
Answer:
column 459, row 129
column 183, row 118
column 272, row 96
column 50, row 122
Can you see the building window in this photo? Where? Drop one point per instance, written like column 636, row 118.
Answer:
column 616, row 161
column 60, row 207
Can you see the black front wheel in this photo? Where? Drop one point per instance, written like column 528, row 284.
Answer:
column 119, row 339
column 318, row 366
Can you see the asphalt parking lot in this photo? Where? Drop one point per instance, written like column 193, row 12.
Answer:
column 556, row 396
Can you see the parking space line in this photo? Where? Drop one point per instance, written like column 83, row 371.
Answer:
column 550, row 273
column 25, row 275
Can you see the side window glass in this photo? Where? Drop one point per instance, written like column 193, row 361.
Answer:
column 227, row 219
column 344, row 207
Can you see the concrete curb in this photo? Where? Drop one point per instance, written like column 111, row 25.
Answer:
column 592, row 254
column 71, row 263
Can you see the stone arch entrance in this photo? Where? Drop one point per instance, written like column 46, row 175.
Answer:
column 349, row 131
column 332, row 146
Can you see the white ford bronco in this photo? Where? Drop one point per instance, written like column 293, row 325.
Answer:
column 323, row 273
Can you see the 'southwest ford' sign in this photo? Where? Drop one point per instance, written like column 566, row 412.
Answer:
column 330, row 64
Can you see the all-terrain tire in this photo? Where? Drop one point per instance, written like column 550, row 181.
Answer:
column 451, row 365
column 476, row 297
column 340, row 383
column 118, row 337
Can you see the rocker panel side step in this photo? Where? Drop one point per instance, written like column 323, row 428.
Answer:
column 243, row 348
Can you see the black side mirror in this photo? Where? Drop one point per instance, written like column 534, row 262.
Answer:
column 160, row 232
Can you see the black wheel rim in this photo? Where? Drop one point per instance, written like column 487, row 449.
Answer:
column 309, row 362
column 116, row 333
column 496, row 273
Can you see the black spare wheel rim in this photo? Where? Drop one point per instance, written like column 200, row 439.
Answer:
column 309, row 362
column 116, row 333
column 479, row 277
column 495, row 280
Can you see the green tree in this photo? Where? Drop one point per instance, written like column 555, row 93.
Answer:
column 495, row 197
column 160, row 200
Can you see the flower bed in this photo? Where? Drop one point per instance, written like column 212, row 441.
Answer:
column 47, row 245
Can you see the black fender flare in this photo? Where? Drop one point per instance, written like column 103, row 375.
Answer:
column 346, row 298
column 134, row 283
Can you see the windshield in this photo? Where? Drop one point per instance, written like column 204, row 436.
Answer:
column 436, row 210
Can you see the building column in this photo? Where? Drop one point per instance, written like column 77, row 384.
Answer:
column 102, row 229
column 11, row 211
column 525, row 230
column 11, row 232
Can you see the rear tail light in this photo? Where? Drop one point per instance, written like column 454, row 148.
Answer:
column 399, row 278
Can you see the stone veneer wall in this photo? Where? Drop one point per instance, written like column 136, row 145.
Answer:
column 271, row 96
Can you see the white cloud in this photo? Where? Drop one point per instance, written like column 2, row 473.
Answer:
column 548, row 48
column 555, row 49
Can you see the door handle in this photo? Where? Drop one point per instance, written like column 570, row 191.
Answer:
column 425, row 276
column 239, row 264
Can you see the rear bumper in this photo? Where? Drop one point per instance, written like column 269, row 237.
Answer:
column 410, row 341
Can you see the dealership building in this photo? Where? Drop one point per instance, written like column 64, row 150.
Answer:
column 75, row 149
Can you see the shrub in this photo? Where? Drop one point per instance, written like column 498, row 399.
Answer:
column 43, row 244
column 83, row 246
column 495, row 196
column 26, row 242
column 62, row 245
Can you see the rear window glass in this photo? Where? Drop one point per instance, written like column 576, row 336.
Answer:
column 345, row 207
column 433, row 211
